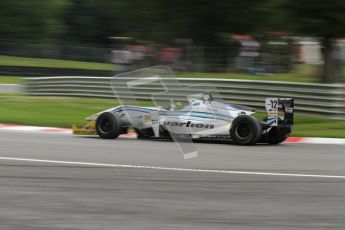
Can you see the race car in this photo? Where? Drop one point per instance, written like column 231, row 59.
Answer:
column 199, row 119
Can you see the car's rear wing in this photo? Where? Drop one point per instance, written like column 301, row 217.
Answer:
column 272, row 108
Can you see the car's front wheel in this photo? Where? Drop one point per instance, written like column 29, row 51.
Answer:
column 245, row 130
column 108, row 125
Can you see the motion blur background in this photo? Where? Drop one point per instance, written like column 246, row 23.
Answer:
column 56, row 62
column 285, row 41
column 256, row 37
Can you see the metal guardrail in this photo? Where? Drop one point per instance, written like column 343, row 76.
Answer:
column 30, row 71
column 10, row 89
column 319, row 99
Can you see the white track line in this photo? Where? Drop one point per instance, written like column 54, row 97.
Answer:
column 173, row 169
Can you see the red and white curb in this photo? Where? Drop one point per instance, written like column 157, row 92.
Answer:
column 54, row 130
column 38, row 129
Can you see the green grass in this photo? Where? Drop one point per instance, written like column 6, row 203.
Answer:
column 49, row 111
column 286, row 77
column 301, row 73
column 17, row 80
column 52, row 63
column 10, row 80
column 312, row 126
column 280, row 77
column 315, row 126
column 63, row 111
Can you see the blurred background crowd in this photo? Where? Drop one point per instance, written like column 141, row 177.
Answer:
column 237, row 36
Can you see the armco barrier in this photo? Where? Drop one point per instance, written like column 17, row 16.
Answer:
column 320, row 99
column 29, row 71
column 10, row 89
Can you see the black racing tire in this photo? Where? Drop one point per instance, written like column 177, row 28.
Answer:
column 245, row 130
column 273, row 137
column 278, row 140
column 108, row 125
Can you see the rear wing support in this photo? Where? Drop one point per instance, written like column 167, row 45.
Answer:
column 272, row 108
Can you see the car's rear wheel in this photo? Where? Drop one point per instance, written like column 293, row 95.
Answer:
column 108, row 126
column 274, row 137
column 278, row 134
column 277, row 140
column 245, row 130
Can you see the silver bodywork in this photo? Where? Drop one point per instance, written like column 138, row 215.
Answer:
column 198, row 118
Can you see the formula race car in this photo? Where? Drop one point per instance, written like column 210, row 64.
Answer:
column 199, row 119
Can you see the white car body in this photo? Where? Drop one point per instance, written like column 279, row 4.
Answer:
column 197, row 119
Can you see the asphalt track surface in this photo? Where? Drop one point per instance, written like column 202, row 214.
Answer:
column 51, row 181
